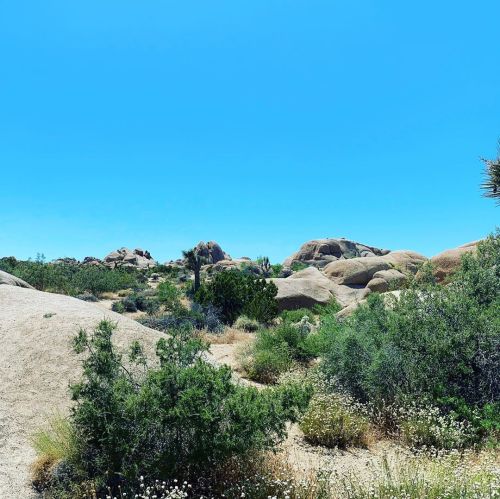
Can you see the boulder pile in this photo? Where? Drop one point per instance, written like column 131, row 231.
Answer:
column 344, row 278
column 320, row 252
column 125, row 257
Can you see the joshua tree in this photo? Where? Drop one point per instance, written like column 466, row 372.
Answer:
column 491, row 185
column 194, row 262
column 265, row 265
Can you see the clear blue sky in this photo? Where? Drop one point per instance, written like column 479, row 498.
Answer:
column 257, row 123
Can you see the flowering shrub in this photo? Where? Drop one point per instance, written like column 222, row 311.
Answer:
column 335, row 422
column 428, row 427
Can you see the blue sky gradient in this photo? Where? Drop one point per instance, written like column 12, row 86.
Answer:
column 259, row 124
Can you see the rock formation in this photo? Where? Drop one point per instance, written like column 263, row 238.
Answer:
column 320, row 252
column 125, row 257
column 211, row 251
column 11, row 280
column 448, row 261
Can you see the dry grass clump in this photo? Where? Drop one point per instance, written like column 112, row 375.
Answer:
column 53, row 444
column 246, row 324
column 228, row 336
column 447, row 476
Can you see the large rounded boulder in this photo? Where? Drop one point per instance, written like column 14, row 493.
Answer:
column 310, row 287
column 448, row 261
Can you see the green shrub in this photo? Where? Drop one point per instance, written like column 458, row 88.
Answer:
column 298, row 266
column 118, row 307
column 71, row 279
column 294, row 316
column 234, row 293
column 174, row 420
column 169, row 295
column 87, row 297
column 137, row 301
column 247, row 324
column 276, row 350
column 266, row 365
column 334, row 422
column 437, row 342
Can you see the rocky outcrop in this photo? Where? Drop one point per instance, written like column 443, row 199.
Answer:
column 310, row 287
column 355, row 270
column 92, row 260
column 125, row 257
column 405, row 261
column 448, row 261
column 320, row 252
column 211, row 251
column 348, row 281
column 11, row 280
column 362, row 270
column 386, row 280
column 38, row 364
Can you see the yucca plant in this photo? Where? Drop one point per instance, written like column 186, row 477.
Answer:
column 491, row 184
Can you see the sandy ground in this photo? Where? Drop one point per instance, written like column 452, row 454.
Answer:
column 36, row 367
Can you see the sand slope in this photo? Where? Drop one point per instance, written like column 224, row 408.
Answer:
column 36, row 367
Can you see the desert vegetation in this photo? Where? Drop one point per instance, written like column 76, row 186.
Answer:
column 419, row 369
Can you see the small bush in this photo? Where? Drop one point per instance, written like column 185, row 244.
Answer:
column 427, row 427
column 266, row 365
column 334, row 422
column 169, row 295
column 87, row 297
column 137, row 301
column 198, row 317
column 277, row 349
column 294, row 316
column 118, row 307
column 234, row 293
column 246, row 324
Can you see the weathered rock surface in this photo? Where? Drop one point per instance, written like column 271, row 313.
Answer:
column 37, row 364
column 211, row 251
column 386, row 280
column 11, row 280
column 125, row 257
column 320, row 252
column 310, row 287
column 448, row 261
column 355, row 270
column 404, row 260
